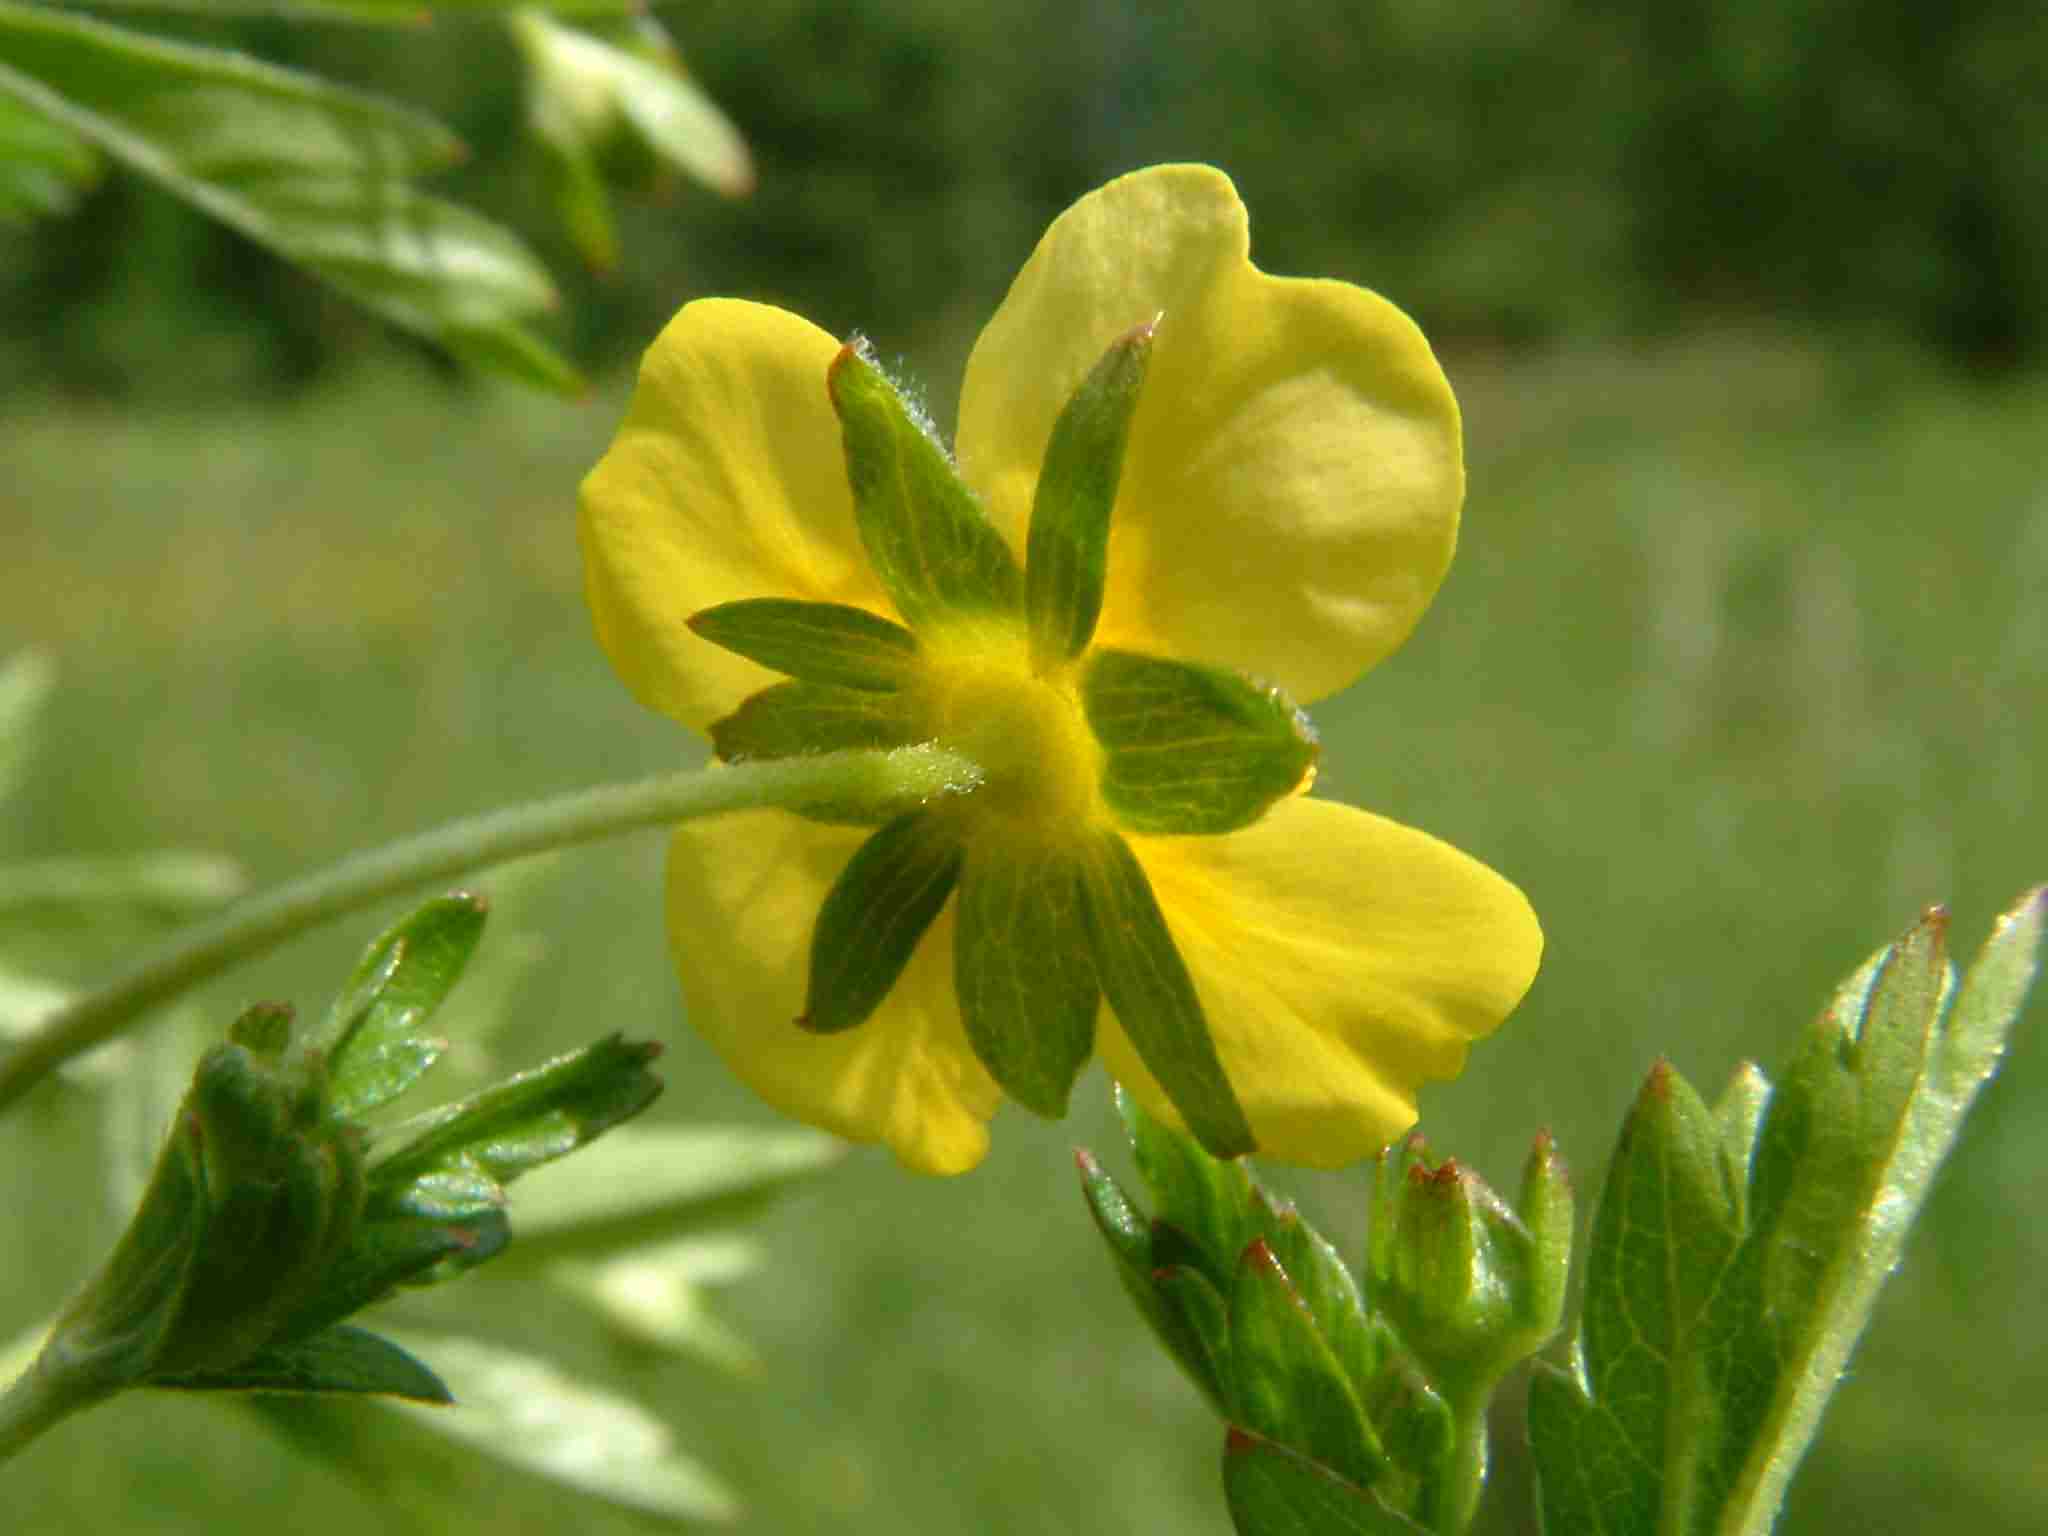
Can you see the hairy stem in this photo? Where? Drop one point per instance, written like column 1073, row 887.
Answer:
column 265, row 921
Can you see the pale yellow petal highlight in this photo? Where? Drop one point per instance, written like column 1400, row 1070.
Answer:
column 1290, row 495
column 1343, row 960
column 726, row 481
column 743, row 894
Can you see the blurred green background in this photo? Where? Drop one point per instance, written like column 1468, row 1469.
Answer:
column 1741, row 665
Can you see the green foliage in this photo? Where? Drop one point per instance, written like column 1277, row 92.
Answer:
column 324, row 176
column 1736, row 1253
column 1348, row 1409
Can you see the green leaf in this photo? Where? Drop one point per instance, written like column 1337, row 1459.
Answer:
column 338, row 1359
column 1199, row 1314
column 317, row 173
column 1024, row 971
column 1273, row 1491
column 1129, row 1238
column 890, row 892
column 44, row 167
column 1206, row 1198
column 582, row 86
column 1327, row 1287
column 374, row 1052
column 526, row 1120
column 939, row 559
column 395, row 1248
column 826, row 643
column 1191, row 749
column 1708, row 1351
column 1067, row 551
column 1285, row 1381
column 1148, row 985
column 648, row 1182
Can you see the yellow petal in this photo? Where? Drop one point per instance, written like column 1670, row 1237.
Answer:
column 1342, row 960
column 726, row 481
column 1290, row 494
column 743, row 894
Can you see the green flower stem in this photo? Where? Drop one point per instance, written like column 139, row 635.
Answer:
column 1466, row 1482
column 263, row 922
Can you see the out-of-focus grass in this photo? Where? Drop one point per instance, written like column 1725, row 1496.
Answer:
column 1741, row 664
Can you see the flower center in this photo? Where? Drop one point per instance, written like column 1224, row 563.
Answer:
column 1028, row 734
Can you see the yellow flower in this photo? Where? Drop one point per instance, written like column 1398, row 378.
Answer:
column 1279, row 466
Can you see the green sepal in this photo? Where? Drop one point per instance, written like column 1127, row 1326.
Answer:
column 890, row 892
column 935, row 553
column 796, row 719
column 830, row 643
column 1067, row 551
column 1286, row 1382
column 374, row 1051
column 1129, row 1236
column 526, row 1120
column 341, row 1359
column 1189, row 748
column 1274, row 1491
column 1024, row 971
column 1148, row 985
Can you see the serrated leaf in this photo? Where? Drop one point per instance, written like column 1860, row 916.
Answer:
column 1700, row 1428
column 827, row 643
column 315, row 172
column 1148, row 986
column 647, row 1182
column 374, row 1050
column 340, row 1359
column 1024, row 971
column 1285, row 1381
column 1190, row 748
column 935, row 554
column 524, row 1121
column 1067, row 550
column 1274, row 1491
column 44, row 168
column 1205, row 1197
column 1128, row 1235
column 877, row 911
